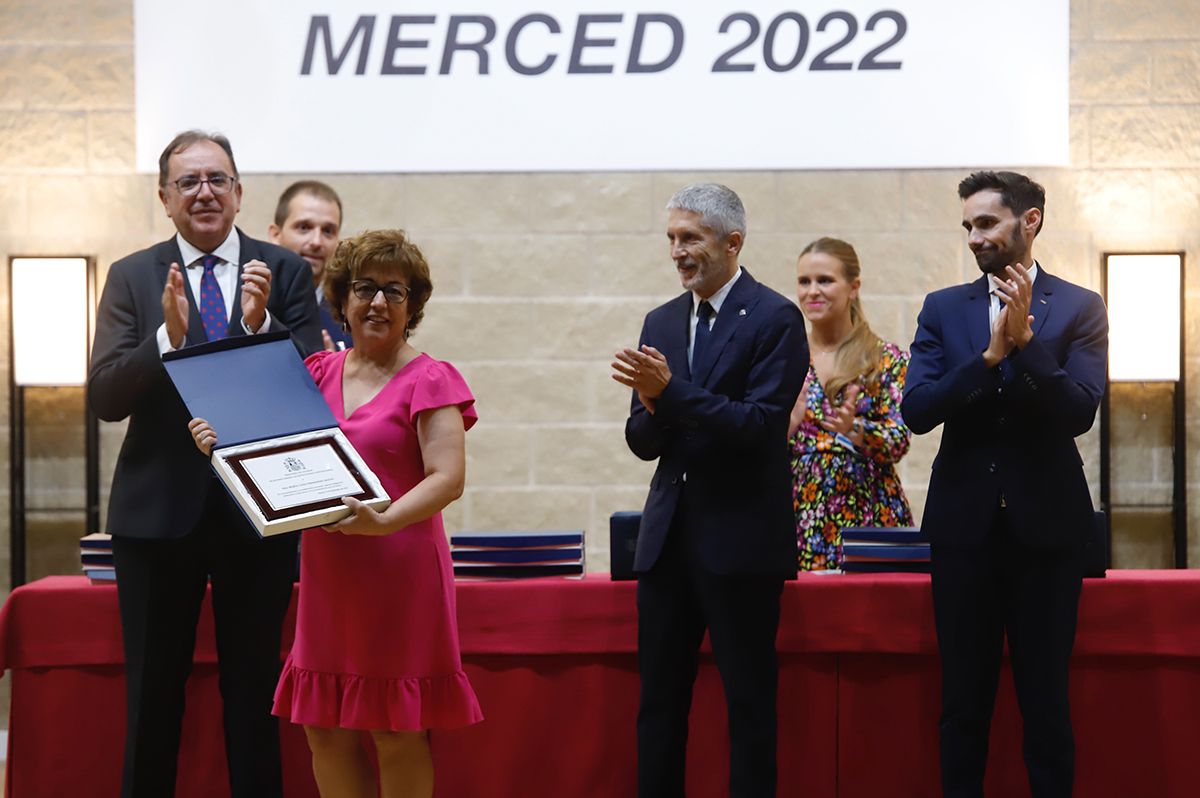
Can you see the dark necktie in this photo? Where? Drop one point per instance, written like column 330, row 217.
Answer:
column 704, row 314
column 212, row 302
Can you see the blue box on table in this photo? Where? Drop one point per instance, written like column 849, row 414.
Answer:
column 622, row 543
column 517, row 554
column 279, row 451
column 884, row 550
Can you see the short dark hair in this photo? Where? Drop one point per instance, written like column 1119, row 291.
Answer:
column 392, row 250
column 314, row 187
column 1017, row 192
column 186, row 139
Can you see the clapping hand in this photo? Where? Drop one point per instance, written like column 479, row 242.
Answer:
column 843, row 420
column 798, row 411
column 1016, row 294
column 645, row 370
column 1013, row 326
column 175, row 307
column 256, row 287
column 999, row 344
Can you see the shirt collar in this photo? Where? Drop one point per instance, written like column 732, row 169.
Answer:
column 230, row 250
column 717, row 298
column 1033, row 273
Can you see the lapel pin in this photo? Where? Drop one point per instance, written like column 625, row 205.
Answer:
column 1042, row 301
column 742, row 312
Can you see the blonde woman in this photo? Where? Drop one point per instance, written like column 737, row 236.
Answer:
column 846, row 434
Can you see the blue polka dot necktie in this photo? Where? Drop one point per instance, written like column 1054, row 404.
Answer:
column 212, row 302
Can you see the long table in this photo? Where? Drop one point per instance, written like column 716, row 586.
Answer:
column 553, row 663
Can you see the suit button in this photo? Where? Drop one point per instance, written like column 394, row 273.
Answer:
column 992, row 468
column 1000, row 421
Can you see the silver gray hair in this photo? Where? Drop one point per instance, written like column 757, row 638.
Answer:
column 719, row 206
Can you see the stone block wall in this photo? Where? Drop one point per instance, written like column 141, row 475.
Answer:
column 540, row 277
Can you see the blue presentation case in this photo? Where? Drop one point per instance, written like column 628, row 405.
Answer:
column 257, row 394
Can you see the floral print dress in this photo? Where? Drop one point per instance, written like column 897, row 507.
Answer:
column 835, row 485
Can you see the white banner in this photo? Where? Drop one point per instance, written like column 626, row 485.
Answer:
column 514, row 85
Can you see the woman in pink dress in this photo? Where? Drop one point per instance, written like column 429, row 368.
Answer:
column 376, row 644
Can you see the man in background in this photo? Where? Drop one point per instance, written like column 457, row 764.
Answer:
column 308, row 220
column 714, row 379
column 174, row 527
column 1013, row 365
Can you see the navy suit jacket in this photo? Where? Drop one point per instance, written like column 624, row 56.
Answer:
column 331, row 325
column 161, row 480
column 725, row 427
column 1010, row 430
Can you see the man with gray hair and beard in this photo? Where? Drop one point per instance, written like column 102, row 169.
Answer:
column 714, row 378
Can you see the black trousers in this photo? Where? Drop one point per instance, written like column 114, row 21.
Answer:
column 160, row 586
column 677, row 600
column 980, row 595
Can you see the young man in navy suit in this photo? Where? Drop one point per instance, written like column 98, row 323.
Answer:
column 1013, row 365
column 714, row 377
column 308, row 221
column 174, row 527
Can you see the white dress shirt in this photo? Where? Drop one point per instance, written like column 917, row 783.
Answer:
column 226, row 273
column 715, row 300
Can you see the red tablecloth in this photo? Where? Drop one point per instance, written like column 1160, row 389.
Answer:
column 553, row 663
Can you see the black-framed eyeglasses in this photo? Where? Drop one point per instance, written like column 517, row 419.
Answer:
column 394, row 293
column 189, row 185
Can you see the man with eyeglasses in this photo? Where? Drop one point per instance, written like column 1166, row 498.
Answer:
column 173, row 526
column 308, row 219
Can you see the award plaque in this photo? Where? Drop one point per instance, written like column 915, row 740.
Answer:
column 297, row 481
column 298, row 477
column 279, row 451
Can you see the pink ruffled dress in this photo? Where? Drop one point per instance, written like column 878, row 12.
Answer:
column 376, row 636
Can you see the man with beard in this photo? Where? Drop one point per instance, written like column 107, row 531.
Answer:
column 1014, row 365
column 308, row 219
column 714, row 378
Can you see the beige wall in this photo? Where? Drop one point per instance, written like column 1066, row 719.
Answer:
column 538, row 278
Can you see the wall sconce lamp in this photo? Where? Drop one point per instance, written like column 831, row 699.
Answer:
column 52, row 302
column 1145, row 295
